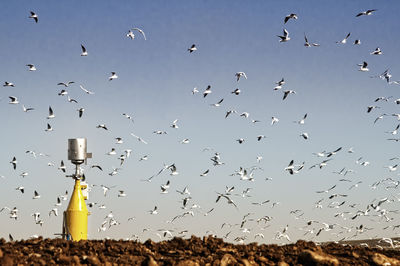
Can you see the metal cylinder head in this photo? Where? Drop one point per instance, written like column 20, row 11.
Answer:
column 77, row 150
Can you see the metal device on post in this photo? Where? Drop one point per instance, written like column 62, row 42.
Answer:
column 75, row 219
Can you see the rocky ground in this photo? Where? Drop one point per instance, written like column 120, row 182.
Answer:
column 193, row 251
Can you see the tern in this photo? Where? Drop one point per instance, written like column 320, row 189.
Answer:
column 113, row 76
column 13, row 100
column 344, row 40
column 371, row 107
column 85, row 90
column 366, row 13
column 84, row 51
column 285, row 36
column 51, row 113
column 66, row 84
column 34, row 16
column 238, row 75
column 290, row 16
column 192, row 48
column 31, row 67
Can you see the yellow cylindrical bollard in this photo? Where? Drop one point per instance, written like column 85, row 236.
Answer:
column 77, row 214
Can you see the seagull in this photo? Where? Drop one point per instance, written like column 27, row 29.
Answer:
column 366, row 13
column 307, row 44
column 141, row 32
column 195, row 90
column 377, row 51
column 36, row 195
column 85, row 90
column 304, row 135
column 121, row 193
column 128, row 116
column 22, row 189
column 344, row 40
column 84, row 51
column 66, row 84
column 174, row 125
column 62, row 166
column 130, row 35
column 13, row 100
column 172, row 167
column 291, row 16
column 31, row 67
column 113, row 76
column 69, row 99
column 205, row 173
column 51, row 113
column 192, row 48
column 112, row 152
column 207, row 91
column 63, row 92
column 285, row 36
column 379, row 117
column 363, row 67
column 106, row 189
column 238, row 75
column 34, row 16
column 53, row 211
column 8, row 84
column 102, row 126
column 260, row 137
column 97, row 166
column 240, row 140
column 394, row 132
column 274, row 120
column 185, row 141
column 245, row 114
column 23, row 174
column 302, row 121
column 27, row 109
column 14, row 163
column 357, row 42
column 139, row 138
column 154, row 211
column 286, row 93
column 218, row 104
column 49, row 128
column 80, row 111
column 371, row 107
column 236, row 91
column 232, row 112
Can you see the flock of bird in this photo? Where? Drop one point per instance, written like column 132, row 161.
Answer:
column 252, row 226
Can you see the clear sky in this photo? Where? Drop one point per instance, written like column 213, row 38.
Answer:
column 154, row 85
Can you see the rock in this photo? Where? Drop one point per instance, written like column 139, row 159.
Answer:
column 151, row 261
column 64, row 259
column 7, row 261
column 93, row 260
column 282, row 263
column 228, row 259
column 380, row 259
column 246, row 262
column 1, row 253
column 309, row 257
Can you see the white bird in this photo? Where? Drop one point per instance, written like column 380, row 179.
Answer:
column 377, row 51
column 113, row 76
column 172, row 167
column 121, row 193
column 236, row 91
column 141, row 32
column 290, row 16
column 62, row 166
column 54, row 211
column 20, row 188
column 285, row 36
column 34, row 16
column 304, row 135
column 218, row 104
column 363, row 67
column 23, row 174
column 84, row 51
column 31, row 67
column 69, row 99
column 139, row 138
column 185, row 141
column 205, row 173
column 66, row 84
column 174, row 125
column 195, row 90
column 307, row 44
column 286, row 93
column 301, row 121
column 85, row 90
column 49, row 128
column 344, row 40
column 192, row 48
column 13, row 100
column 63, row 93
column 238, row 75
column 357, row 42
column 274, row 120
column 130, row 35
column 36, row 195
column 14, row 163
column 366, row 13
column 154, row 211
column 207, row 91
column 394, row 132
column 27, row 109
column 51, row 113
column 112, row 152
column 8, row 84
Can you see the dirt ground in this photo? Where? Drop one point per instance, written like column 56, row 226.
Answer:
column 193, row 251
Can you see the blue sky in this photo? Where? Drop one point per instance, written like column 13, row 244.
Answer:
column 155, row 81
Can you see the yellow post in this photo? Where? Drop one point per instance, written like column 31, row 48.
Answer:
column 77, row 214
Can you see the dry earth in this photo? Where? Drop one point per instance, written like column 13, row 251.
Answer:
column 193, row 251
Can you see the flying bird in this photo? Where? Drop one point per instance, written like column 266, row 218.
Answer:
column 238, row 75
column 84, row 51
column 85, row 90
column 34, row 16
column 286, row 93
column 366, row 13
column 141, row 32
column 290, row 16
column 285, row 36
column 14, row 163
column 51, row 113
column 113, row 76
column 207, row 91
column 363, row 67
column 66, row 84
column 31, row 67
column 344, row 40
column 36, row 195
column 80, row 112
column 13, row 100
column 192, row 48
column 49, row 128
